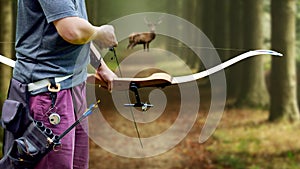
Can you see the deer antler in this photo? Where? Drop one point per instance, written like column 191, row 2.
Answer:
column 159, row 20
column 149, row 23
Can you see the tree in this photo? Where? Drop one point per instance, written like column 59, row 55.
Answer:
column 221, row 28
column 208, row 14
column 6, row 45
column 236, row 42
column 192, row 13
column 283, row 74
column 253, row 87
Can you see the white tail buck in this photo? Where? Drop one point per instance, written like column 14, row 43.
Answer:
column 144, row 37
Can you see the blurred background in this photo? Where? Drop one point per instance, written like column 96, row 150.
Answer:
column 261, row 119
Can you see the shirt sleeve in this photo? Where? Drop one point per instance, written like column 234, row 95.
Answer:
column 58, row 9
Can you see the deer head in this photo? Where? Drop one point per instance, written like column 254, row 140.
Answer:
column 151, row 25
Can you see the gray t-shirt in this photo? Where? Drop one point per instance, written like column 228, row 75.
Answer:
column 41, row 52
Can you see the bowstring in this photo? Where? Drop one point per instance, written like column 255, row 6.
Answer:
column 131, row 111
column 208, row 48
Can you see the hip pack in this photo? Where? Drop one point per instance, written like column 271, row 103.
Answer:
column 26, row 141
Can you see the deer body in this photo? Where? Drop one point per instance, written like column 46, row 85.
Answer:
column 143, row 37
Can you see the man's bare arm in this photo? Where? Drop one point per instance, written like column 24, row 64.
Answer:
column 76, row 30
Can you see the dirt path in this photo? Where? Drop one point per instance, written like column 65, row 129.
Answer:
column 187, row 154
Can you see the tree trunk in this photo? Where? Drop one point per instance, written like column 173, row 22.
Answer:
column 6, row 45
column 6, row 48
column 236, row 43
column 253, row 88
column 283, row 74
column 208, row 14
column 192, row 14
column 221, row 28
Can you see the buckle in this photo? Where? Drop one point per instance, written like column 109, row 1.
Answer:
column 54, row 89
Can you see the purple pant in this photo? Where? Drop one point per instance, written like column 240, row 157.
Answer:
column 70, row 105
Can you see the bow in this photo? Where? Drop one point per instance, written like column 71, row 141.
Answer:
column 164, row 79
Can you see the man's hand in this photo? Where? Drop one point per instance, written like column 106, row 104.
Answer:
column 104, row 74
column 105, row 37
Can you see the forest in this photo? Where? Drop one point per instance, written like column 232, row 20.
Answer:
column 255, row 129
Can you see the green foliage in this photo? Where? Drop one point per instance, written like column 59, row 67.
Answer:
column 114, row 9
column 247, row 141
column 231, row 161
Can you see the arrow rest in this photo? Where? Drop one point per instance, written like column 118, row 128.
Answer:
column 144, row 106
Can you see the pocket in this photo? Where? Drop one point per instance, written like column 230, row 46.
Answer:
column 21, row 154
column 12, row 112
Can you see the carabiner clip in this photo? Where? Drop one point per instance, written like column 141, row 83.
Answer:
column 54, row 89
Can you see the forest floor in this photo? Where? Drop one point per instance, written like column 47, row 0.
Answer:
column 243, row 140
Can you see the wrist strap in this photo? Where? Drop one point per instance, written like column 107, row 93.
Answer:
column 95, row 57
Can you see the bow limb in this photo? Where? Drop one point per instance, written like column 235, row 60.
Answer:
column 205, row 73
column 7, row 61
column 214, row 116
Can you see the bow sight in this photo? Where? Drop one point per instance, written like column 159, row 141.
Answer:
column 133, row 87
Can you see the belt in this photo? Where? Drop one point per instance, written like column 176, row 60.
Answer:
column 46, row 82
